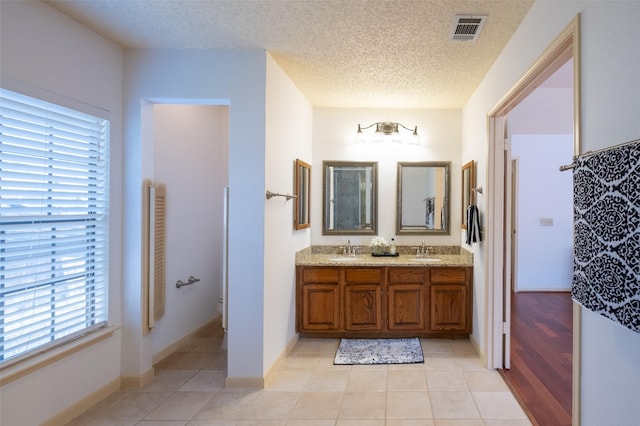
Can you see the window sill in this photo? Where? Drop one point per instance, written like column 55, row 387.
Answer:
column 27, row 366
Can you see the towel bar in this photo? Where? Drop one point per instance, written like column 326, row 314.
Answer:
column 270, row 195
column 191, row 280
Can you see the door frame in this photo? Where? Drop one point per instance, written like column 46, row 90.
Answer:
column 498, row 245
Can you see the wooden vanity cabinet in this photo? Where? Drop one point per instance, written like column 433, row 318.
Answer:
column 450, row 300
column 363, row 299
column 318, row 299
column 407, row 299
column 386, row 301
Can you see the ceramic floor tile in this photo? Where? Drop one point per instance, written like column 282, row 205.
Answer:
column 446, row 380
column 288, row 380
column 451, row 388
column 459, row 422
column 180, row 406
column 436, row 346
column 192, row 361
column 363, row 405
column 462, row 346
column 310, row 423
column 326, row 364
column 469, row 362
column 441, row 361
column 271, row 405
column 410, row 422
column 405, row 367
column 83, row 421
column 167, row 380
column 367, row 380
column 317, row 406
column 218, row 361
column 206, row 381
column 453, row 405
column 98, row 409
column 408, row 405
column 485, row 381
column 406, row 380
column 348, row 422
column 507, row 422
column 498, row 405
column 383, row 367
column 327, row 381
column 134, row 406
column 207, row 344
column 300, row 361
column 227, row 405
column 317, row 346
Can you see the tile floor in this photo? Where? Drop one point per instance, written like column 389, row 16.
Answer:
column 450, row 388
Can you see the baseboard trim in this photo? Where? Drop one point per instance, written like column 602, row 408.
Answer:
column 176, row 345
column 276, row 365
column 244, row 382
column 83, row 405
column 138, row 381
column 261, row 382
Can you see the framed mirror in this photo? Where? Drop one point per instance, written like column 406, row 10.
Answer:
column 301, row 214
column 468, row 194
column 423, row 198
column 350, row 192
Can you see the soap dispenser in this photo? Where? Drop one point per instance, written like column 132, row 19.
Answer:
column 392, row 247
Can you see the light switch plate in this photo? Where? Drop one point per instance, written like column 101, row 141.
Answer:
column 546, row 221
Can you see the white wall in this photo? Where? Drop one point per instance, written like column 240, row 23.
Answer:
column 610, row 100
column 191, row 154
column 333, row 133
column 545, row 253
column 237, row 79
column 288, row 136
column 40, row 53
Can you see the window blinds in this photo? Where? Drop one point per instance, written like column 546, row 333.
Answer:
column 54, row 206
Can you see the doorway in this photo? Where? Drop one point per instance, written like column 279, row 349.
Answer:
column 190, row 157
column 499, row 244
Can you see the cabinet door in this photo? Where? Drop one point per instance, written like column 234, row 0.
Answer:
column 406, row 307
column 406, row 299
column 448, row 307
column 363, row 299
column 320, row 307
column 318, row 299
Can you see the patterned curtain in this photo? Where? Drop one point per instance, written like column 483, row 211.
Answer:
column 606, row 273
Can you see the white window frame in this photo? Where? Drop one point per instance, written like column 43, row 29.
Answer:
column 54, row 225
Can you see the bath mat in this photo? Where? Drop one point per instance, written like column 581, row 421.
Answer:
column 379, row 351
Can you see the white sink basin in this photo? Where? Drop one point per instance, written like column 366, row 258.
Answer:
column 343, row 259
column 425, row 259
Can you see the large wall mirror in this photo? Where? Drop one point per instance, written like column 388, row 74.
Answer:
column 468, row 194
column 349, row 198
column 301, row 214
column 423, row 198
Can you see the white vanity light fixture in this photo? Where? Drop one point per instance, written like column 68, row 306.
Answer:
column 388, row 131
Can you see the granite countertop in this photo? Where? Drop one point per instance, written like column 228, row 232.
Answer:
column 331, row 256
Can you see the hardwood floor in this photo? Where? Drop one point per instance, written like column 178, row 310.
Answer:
column 541, row 356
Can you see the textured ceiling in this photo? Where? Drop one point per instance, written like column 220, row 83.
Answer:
column 339, row 53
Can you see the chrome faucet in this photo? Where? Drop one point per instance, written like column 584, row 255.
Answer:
column 422, row 251
column 348, row 249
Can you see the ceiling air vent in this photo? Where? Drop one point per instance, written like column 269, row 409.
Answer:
column 467, row 27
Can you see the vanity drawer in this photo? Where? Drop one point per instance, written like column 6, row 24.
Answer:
column 357, row 275
column 448, row 275
column 407, row 275
column 320, row 275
